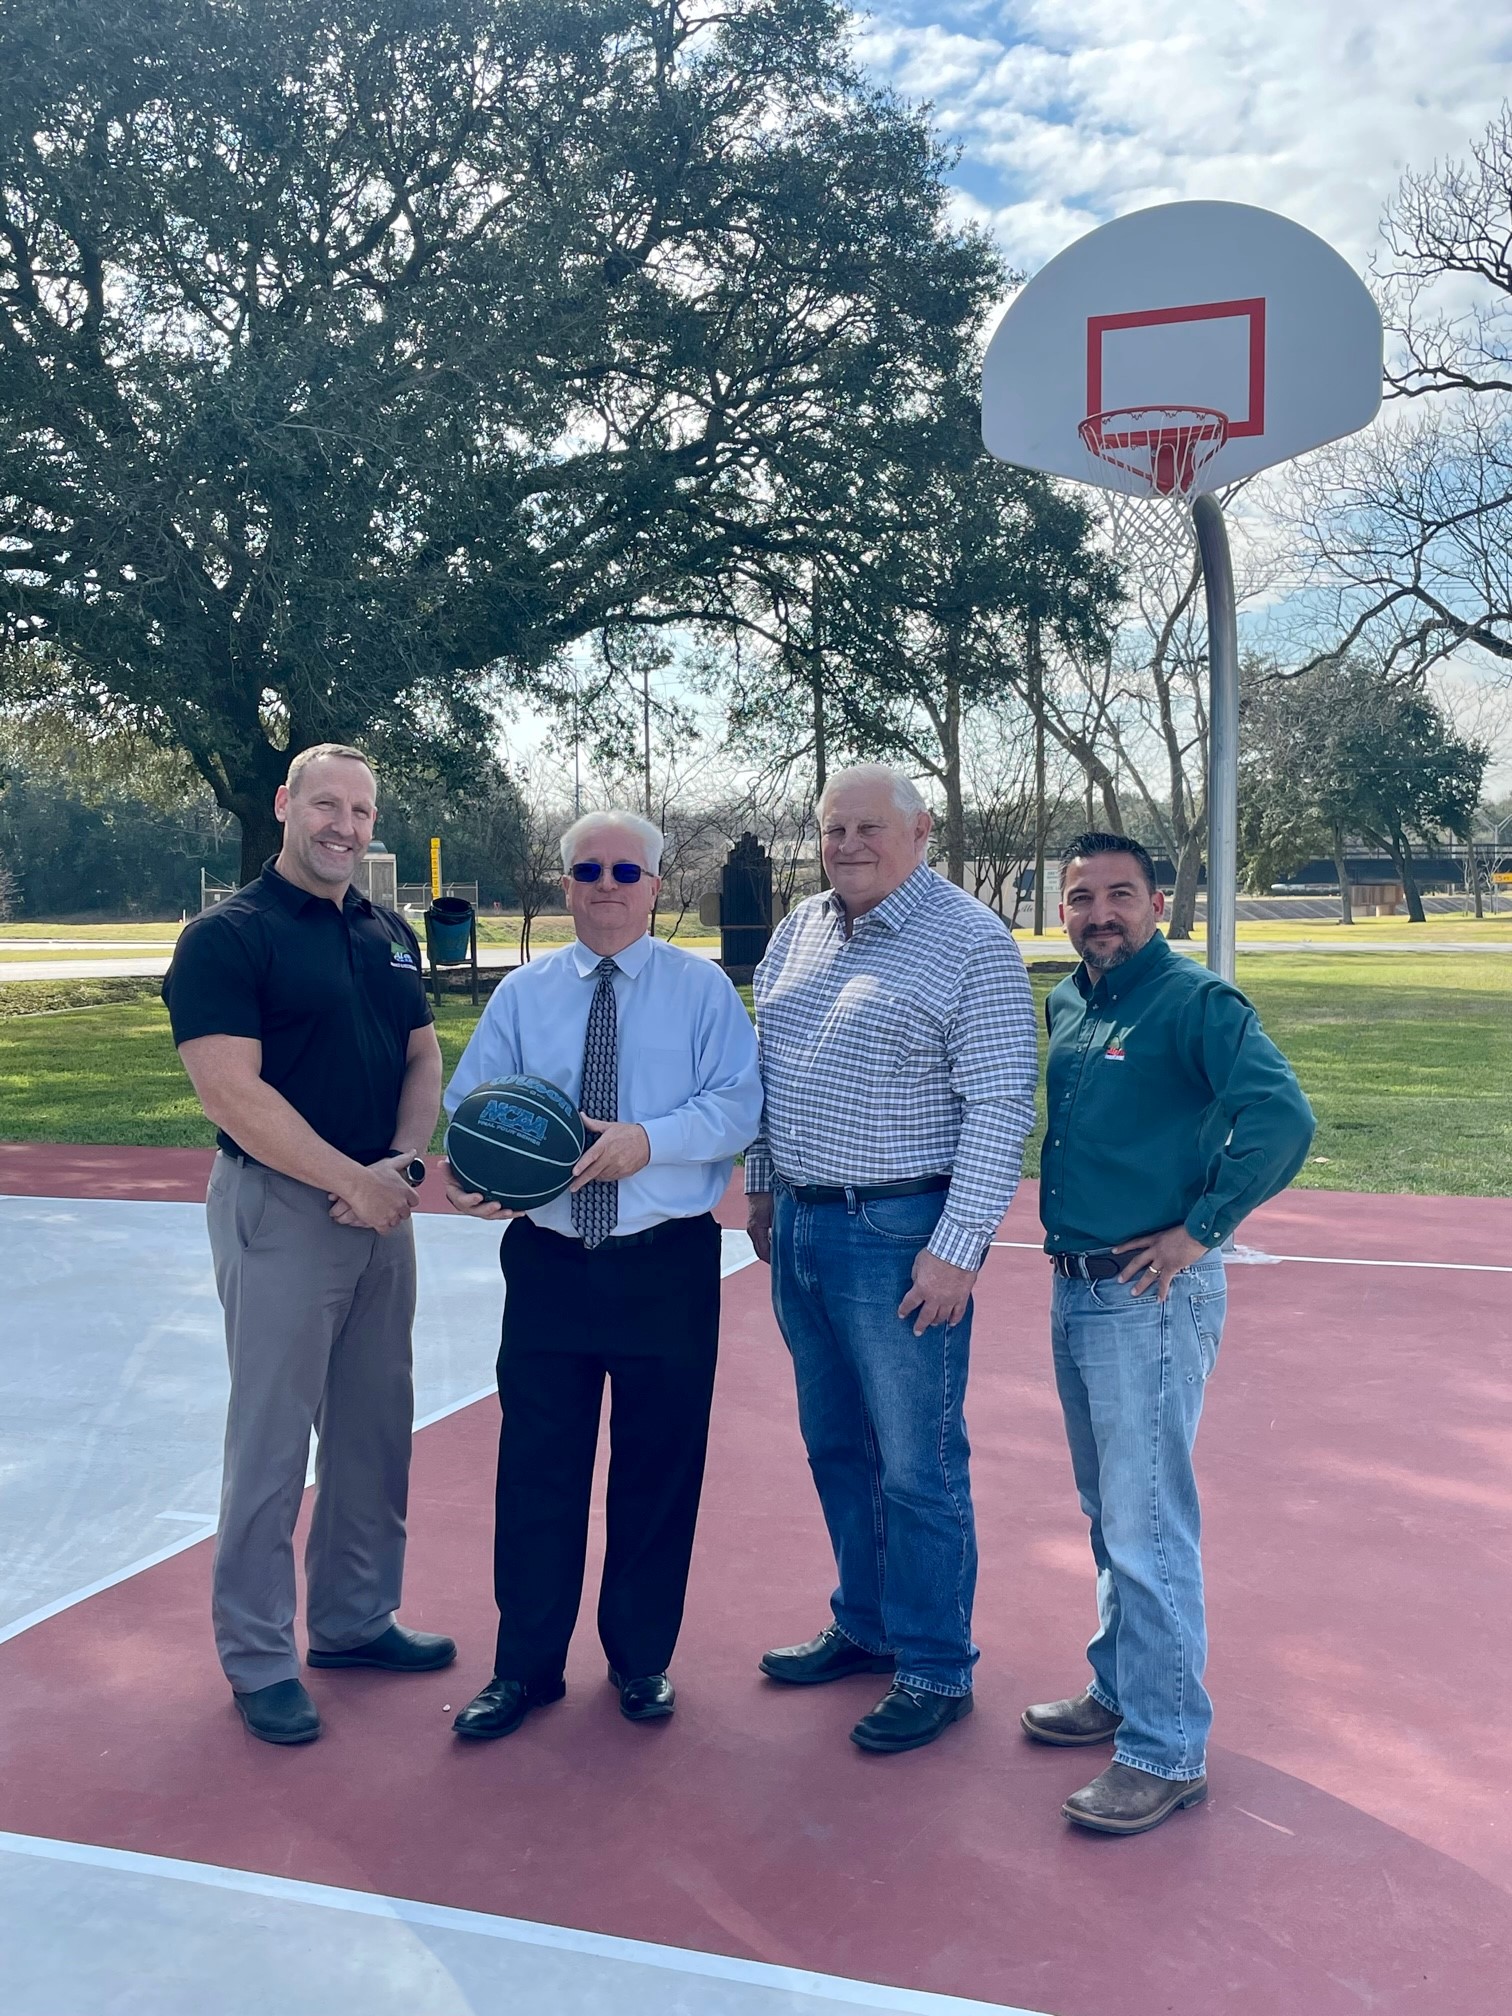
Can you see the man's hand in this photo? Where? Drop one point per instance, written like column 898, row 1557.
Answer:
column 940, row 1292
column 759, row 1223
column 620, row 1149
column 378, row 1200
column 471, row 1202
column 1158, row 1257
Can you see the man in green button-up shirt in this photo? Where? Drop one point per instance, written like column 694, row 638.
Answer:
column 1170, row 1116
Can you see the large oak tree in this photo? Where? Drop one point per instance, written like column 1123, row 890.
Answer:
column 354, row 360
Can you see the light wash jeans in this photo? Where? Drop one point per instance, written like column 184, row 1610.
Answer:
column 1131, row 1373
column 880, row 1411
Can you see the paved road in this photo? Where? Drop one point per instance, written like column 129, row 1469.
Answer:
column 147, row 965
column 151, row 964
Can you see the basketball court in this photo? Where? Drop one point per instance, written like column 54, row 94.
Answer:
column 1356, row 1460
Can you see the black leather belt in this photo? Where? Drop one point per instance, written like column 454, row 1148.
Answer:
column 666, row 1228
column 1088, row 1266
column 863, row 1193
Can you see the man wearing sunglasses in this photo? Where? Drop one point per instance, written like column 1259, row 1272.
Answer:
column 616, row 1279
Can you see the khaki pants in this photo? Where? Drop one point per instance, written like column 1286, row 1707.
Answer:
column 318, row 1320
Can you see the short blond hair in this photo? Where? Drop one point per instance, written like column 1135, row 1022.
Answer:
column 317, row 752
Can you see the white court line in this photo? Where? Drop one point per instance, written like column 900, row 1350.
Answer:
column 517, row 1931
column 33, row 1617
column 1323, row 1260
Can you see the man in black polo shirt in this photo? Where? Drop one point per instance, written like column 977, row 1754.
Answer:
column 299, row 1013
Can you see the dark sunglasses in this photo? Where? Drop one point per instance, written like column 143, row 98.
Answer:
column 622, row 871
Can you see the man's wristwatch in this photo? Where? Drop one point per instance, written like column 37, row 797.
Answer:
column 413, row 1171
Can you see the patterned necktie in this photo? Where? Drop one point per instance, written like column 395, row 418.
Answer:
column 595, row 1208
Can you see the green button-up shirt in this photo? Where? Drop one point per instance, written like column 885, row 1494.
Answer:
column 1168, row 1105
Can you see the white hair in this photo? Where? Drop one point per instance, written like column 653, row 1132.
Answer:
column 906, row 796
column 648, row 835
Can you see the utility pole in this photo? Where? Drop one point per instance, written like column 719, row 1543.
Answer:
column 1037, row 702
column 816, row 690
column 646, row 729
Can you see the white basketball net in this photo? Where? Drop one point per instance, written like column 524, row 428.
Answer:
column 1166, row 449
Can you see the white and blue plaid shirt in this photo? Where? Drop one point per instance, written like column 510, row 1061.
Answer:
column 904, row 1049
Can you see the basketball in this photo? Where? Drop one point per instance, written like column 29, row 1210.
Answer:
column 514, row 1141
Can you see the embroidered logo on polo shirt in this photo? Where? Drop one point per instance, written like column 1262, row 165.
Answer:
column 401, row 955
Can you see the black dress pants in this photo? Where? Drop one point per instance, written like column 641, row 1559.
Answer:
column 646, row 1316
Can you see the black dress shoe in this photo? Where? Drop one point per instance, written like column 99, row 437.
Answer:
column 282, row 1713
column 393, row 1651
column 908, row 1718
column 651, row 1699
column 830, row 1656
column 503, row 1705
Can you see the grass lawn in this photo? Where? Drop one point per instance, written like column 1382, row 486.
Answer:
column 1408, row 1063
column 161, row 933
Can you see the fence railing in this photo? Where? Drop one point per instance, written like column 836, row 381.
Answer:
column 414, row 896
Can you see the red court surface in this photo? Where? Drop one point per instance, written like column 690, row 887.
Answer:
column 1355, row 1854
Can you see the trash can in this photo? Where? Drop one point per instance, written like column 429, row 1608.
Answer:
column 448, row 931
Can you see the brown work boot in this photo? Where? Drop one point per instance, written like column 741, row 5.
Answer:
column 1125, row 1800
column 1070, row 1723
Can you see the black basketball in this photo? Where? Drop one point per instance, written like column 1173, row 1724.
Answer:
column 514, row 1140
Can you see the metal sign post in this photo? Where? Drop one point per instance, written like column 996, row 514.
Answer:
column 1223, row 735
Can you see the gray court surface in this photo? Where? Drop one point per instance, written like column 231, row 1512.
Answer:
column 136, row 1936
column 113, row 1381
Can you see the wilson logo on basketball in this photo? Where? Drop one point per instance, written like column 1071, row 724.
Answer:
column 506, row 1119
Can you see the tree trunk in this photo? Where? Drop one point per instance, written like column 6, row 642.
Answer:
column 1183, row 911
column 261, row 836
column 1401, row 855
column 1341, row 869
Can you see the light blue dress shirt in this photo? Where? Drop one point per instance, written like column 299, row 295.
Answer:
column 687, row 1067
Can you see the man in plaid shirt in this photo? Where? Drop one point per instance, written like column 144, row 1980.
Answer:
column 899, row 1063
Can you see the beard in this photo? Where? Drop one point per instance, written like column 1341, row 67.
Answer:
column 1104, row 950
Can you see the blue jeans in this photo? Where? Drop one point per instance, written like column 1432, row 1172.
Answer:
column 880, row 1411
column 1131, row 1373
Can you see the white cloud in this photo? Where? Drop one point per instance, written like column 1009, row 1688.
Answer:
column 1073, row 111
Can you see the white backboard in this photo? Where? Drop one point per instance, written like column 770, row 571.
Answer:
column 1215, row 307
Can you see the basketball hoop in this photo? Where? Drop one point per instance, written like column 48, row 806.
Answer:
column 1166, row 449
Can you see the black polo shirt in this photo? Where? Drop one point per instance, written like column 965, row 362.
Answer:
column 332, row 995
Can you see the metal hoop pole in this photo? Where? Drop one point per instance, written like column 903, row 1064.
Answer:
column 1223, row 735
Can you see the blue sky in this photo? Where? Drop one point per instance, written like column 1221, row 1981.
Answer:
column 1073, row 111
column 1069, row 112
